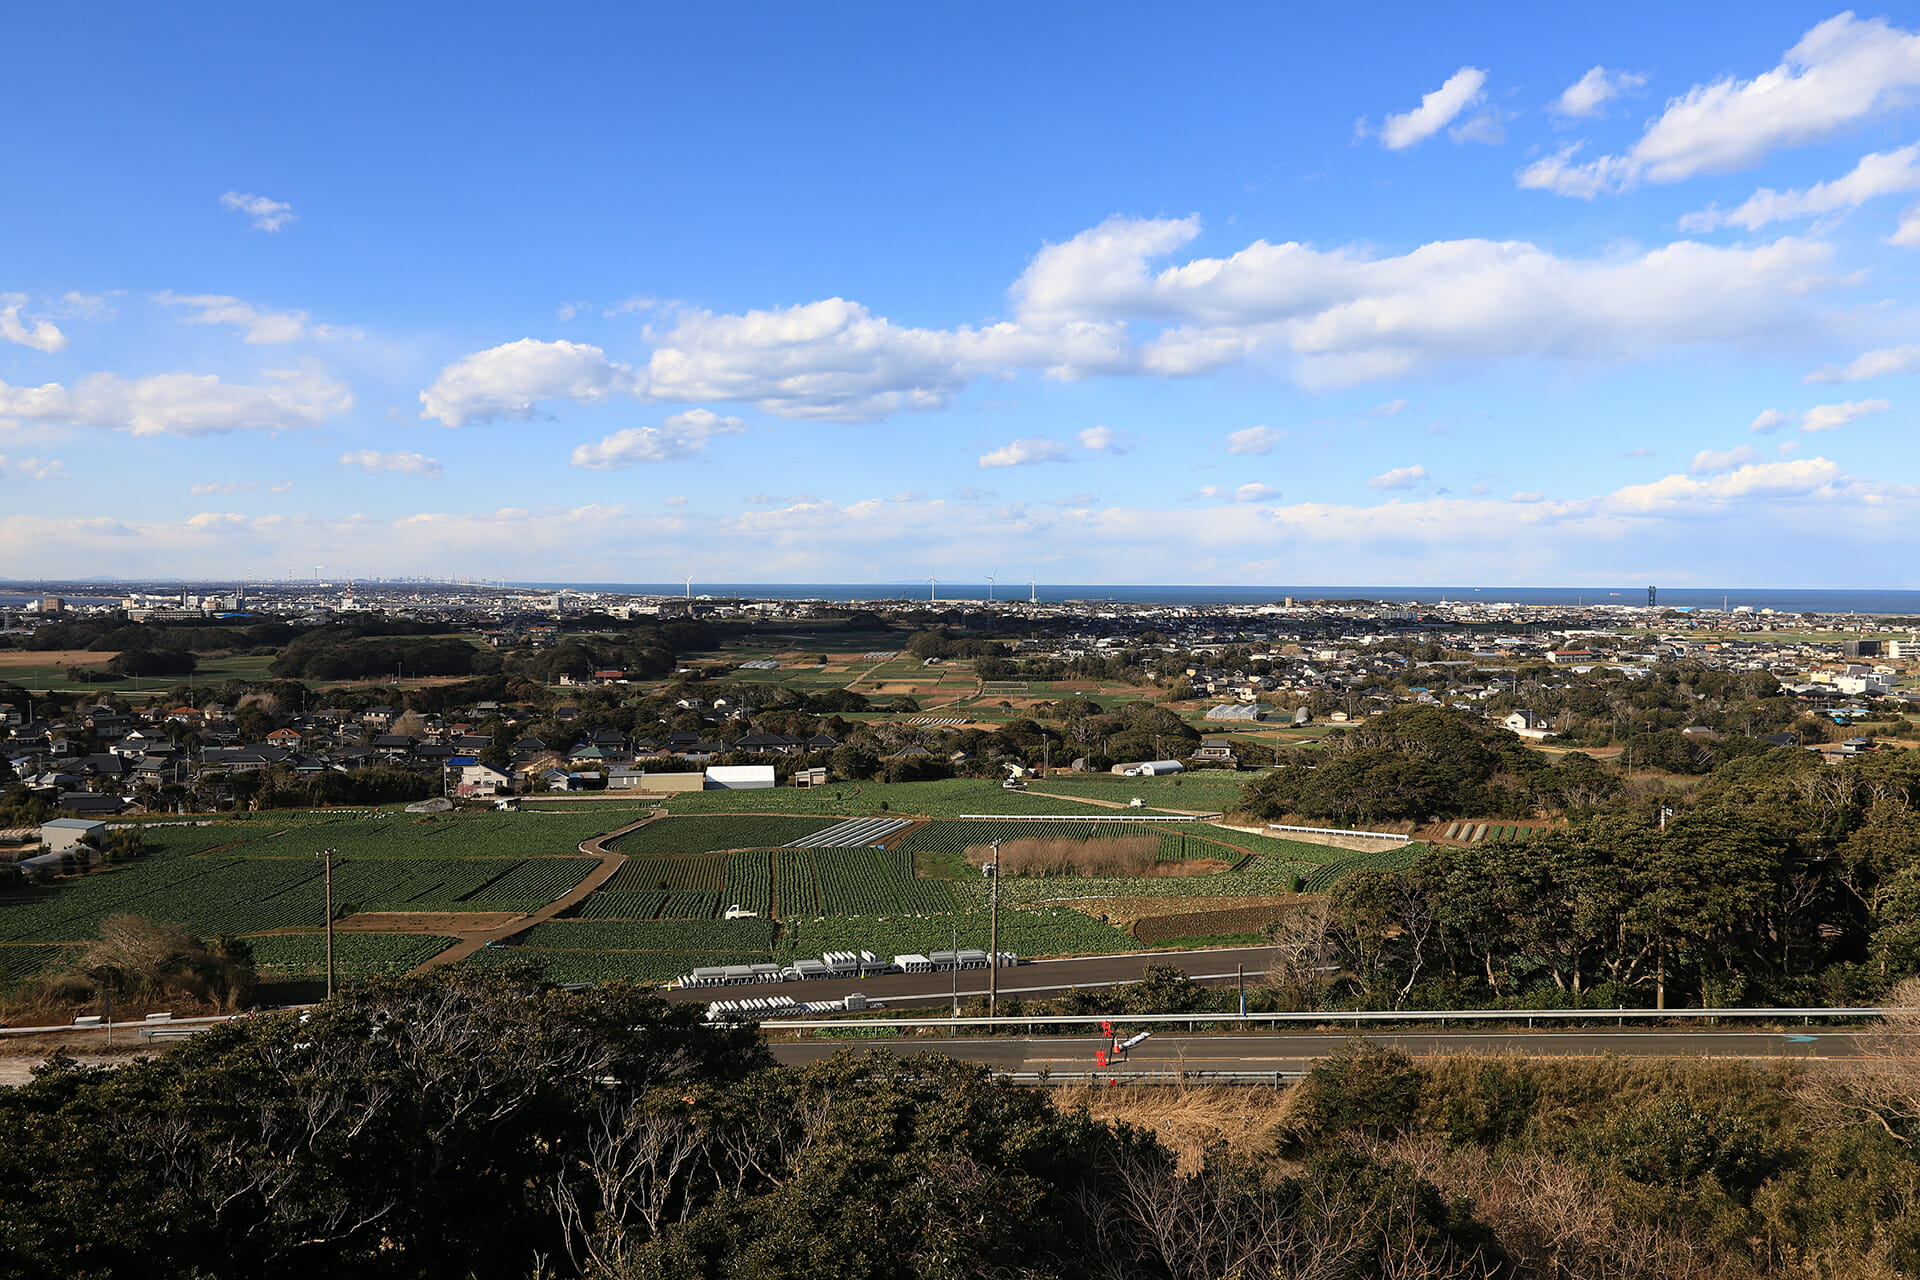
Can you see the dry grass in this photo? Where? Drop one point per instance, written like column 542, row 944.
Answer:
column 1186, row 1118
column 1120, row 856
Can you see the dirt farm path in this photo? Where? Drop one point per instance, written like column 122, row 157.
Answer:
column 610, row 862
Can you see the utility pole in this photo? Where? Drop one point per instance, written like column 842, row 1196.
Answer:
column 955, row 957
column 993, row 934
column 326, row 857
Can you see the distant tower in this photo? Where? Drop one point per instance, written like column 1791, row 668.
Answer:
column 1653, row 597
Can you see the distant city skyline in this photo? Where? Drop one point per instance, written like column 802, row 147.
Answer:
column 1131, row 294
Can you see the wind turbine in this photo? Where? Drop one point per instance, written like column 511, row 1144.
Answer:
column 1033, row 591
column 689, row 586
column 931, row 583
column 993, row 581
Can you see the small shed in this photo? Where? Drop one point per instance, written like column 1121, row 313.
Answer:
column 740, row 777
column 62, row 834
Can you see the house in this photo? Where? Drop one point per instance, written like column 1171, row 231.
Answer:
column 283, row 738
column 1217, row 752
column 84, row 803
column 1528, row 725
column 814, row 777
column 478, row 779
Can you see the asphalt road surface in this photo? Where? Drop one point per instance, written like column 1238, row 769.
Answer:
column 1029, row 980
column 1294, row 1052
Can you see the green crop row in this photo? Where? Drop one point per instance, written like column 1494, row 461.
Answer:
column 677, row 835
column 603, row 905
column 750, row 882
column 717, row 936
column 1395, row 859
column 359, row 954
column 799, row 888
column 943, row 799
column 704, row 872
column 460, row 835
column 651, row 967
column 537, row 880
column 956, row 837
column 30, row 961
column 1050, row 932
column 208, row 896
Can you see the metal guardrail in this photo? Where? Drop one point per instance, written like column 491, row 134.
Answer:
column 1139, row 815
column 1338, row 1019
column 139, row 1024
column 1125, row 1075
column 1337, row 831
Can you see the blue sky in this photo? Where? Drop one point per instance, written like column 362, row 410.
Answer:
column 1195, row 294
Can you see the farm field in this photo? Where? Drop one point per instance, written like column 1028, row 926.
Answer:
column 265, row 877
column 386, row 834
column 354, row 954
column 684, row 835
column 1398, row 859
column 1208, row 791
column 1037, row 933
column 953, row 836
column 227, row 894
column 944, row 799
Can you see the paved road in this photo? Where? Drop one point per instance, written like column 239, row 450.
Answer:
column 1026, row 981
column 1295, row 1052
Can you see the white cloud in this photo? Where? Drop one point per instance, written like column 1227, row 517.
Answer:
column 1872, row 364
column 509, row 380
column 1342, row 315
column 41, row 335
column 1907, row 234
column 84, row 306
column 222, row 486
column 182, row 404
column 1879, row 173
column 1025, row 453
column 1712, row 462
column 401, row 462
column 1760, row 481
column 32, row 468
column 677, row 438
column 1527, row 496
column 1831, row 417
column 1254, row 440
column 256, row 325
column 1704, row 530
column 835, row 361
column 1636, row 453
column 1462, row 90
column 1106, row 440
column 1584, row 97
column 1348, row 317
column 626, row 306
column 1822, row 417
column 1387, row 410
column 1253, row 492
column 267, row 215
column 1399, row 478
column 1840, row 73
